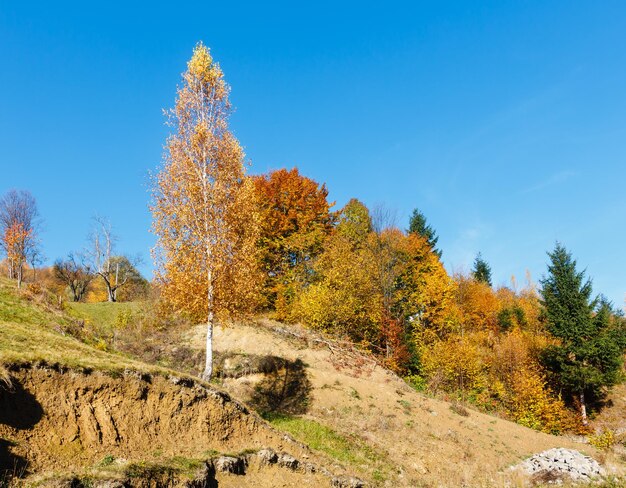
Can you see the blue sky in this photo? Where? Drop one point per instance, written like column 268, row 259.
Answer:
column 504, row 122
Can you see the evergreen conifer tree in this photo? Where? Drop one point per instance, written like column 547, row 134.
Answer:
column 481, row 270
column 589, row 356
column 418, row 225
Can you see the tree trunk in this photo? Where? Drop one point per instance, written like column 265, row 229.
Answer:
column 19, row 277
column 583, row 408
column 110, row 292
column 208, row 364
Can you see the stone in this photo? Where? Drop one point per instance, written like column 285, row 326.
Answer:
column 267, row 456
column 559, row 464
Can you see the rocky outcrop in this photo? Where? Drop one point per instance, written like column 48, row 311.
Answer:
column 558, row 465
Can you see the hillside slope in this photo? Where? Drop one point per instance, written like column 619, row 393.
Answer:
column 71, row 412
column 414, row 440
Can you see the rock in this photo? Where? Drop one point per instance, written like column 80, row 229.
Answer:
column 229, row 464
column 559, row 464
column 267, row 456
column 346, row 482
column 205, row 479
column 288, row 461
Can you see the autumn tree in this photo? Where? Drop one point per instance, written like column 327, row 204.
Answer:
column 75, row 274
column 478, row 304
column 295, row 219
column 354, row 222
column 376, row 285
column 419, row 225
column 481, row 271
column 136, row 287
column 204, row 210
column 589, row 356
column 14, row 242
column 19, row 229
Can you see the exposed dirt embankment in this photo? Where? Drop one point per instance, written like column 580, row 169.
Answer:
column 54, row 420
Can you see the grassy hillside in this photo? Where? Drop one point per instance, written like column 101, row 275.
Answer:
column 356, row 416
column 71, row 411
column 34, row 329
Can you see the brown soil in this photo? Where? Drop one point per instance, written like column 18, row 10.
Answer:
column 63, row 421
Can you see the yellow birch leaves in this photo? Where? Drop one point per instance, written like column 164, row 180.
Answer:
column 204, row 211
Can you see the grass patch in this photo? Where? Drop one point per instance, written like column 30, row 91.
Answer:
column 165, row 471
column 355, row 394
column 106, row 461
column 30, row 333
column 36, row 344
column 14, row 307
column 347, row 450
column 105, row 315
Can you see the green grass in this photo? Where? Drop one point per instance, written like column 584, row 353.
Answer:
column 105, row 315
column 32, row 332
column 16, row 309
column 351, row 451
column 175, row 466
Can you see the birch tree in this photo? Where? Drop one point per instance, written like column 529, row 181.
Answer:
column 204, row 213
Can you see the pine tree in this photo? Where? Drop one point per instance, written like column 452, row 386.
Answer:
column 589, row 356
column 481, row 270
column 418, row 225
column 204, row 207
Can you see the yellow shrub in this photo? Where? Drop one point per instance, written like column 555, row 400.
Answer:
column 603, row 440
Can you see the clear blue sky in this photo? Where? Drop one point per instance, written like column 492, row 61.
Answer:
column 504, row 122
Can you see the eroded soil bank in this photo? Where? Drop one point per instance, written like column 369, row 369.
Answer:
column 55, row 419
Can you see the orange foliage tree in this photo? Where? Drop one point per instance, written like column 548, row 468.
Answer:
column 15, row 242
column 478, row 304
column 19, row 223
column 295, row 219
column 204, row 210
column 426, row 291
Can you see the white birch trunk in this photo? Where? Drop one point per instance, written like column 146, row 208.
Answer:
column 208, row 364
column 19, row 276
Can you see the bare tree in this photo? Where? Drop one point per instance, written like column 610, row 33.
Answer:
column 74, row 273
column 115, row 271
column 383, row 218
column 19, row 231
column 35, row 258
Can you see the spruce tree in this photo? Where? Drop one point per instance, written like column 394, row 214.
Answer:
column 418, row 225
column 481, row 270
column 589, row 357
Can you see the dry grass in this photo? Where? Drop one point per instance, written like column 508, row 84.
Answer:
column 420, row 441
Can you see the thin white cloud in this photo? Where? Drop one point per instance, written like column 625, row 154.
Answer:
column 552, row 180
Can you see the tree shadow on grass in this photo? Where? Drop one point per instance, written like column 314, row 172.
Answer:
column 286, row 390
column 19, row 410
